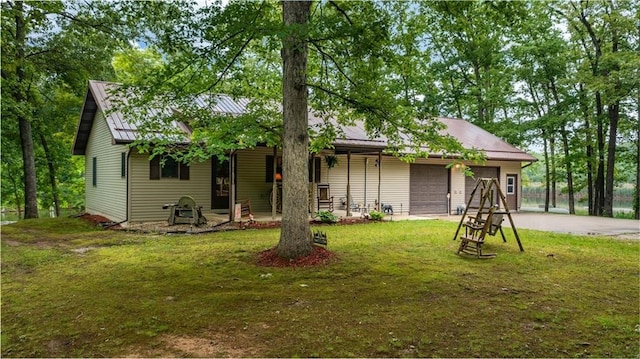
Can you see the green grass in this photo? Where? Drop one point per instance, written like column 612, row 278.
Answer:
column 398, row 290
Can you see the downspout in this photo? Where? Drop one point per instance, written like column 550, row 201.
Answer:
column 366, row 167
column 349, row 183
column 379, row 181
column 232, row 186
column 127, row 186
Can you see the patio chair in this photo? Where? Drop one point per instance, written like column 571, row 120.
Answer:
column 325, row 199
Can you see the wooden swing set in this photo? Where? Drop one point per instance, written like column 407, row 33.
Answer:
column 487, row 220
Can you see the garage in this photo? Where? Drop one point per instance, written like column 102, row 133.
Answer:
column 429, row 185
column 470, row 182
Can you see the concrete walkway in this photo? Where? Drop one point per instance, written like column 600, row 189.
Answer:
column 566, row 223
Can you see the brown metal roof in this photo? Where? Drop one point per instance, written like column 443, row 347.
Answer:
column 355, row 137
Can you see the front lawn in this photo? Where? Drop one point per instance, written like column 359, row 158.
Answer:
column 397, row 290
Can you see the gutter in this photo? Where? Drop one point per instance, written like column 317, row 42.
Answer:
column 527, row 165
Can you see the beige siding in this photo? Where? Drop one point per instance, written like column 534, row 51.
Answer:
column 108, row 197
column 251, row 181
column 458, row 195
column 147, row 196
column 394, row 181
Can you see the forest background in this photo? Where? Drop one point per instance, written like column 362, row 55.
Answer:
column 560, row 79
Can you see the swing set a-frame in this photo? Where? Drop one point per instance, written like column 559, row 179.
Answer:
column 486, row 219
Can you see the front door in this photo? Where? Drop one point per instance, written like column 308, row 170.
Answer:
column 220, row 186
column 512, row 192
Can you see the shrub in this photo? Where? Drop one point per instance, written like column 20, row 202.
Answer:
column 376, row 216
column 326, row 217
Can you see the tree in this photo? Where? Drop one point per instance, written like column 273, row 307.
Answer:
column 352, row 72
column 295, row 236
column 49, row 49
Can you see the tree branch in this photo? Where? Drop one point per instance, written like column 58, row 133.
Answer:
column 340, row 10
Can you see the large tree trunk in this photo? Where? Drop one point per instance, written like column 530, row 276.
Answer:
column 567, row 161
column 614, row 114
column 295, row 235
column 52, row 174
column 554, row 174
column 24, row 124
column 546, row 171
column 636, row 205
column 599, row 190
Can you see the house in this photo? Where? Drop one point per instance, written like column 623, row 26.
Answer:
column 126, row 186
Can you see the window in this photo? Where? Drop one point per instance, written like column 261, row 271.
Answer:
column 511, row 184
column 95, row 172
column 123, row 164
column 279, row 173
column 169, row 169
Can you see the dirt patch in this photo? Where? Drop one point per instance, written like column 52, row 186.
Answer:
column 100, row 221
column 319, row 256
column 214, row 345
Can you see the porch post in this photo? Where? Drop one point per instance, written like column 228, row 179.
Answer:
column 349, row 183
column 379, row 180
column 232, row 185
column 312, row 190
column 274, row 186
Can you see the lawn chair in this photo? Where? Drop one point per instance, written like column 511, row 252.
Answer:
column 475, row 231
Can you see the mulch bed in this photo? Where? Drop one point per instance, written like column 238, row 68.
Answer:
column 319, row 256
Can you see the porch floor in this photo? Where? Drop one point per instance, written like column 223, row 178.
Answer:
column 220, row 222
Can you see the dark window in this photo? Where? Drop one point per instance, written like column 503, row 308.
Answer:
column 269, row 169
column 123, row 164
column 169, row 169
column 95, row 171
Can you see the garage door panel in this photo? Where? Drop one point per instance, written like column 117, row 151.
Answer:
column 429, row 185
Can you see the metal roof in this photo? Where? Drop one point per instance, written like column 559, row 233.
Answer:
column 100, row 97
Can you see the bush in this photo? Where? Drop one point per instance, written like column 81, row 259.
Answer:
column 376, row 216
column 326, row 217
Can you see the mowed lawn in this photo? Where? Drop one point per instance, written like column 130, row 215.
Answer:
column 397, row 289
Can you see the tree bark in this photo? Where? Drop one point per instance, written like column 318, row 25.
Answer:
column 614, row 114
column 52, row 174
column 637, row 196
column 567, row 161
column 546, row 171
column 295, row 234
column 24, row 123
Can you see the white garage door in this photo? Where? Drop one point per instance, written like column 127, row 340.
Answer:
column 429, row 185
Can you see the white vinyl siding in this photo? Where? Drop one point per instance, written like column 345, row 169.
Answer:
column 148, row 196
column 109, row 196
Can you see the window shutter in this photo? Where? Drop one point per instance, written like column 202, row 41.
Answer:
column 123, row 164
column 154, row 168
column 184, row 172
column 269, row 172
column 95, row 172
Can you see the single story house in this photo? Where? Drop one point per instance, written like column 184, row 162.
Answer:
column 126, row 186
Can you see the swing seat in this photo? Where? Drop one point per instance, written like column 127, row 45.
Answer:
column 473, row 239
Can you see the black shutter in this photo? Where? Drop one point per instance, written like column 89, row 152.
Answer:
column 154, row 168
column 184, row 172
column 123, row 164
column 269, row 172
column 95, row 171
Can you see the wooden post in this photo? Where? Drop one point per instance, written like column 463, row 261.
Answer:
column 349, row 183
column 312, row 199
column 232, row 185
column 379, row 180
column 274, row 186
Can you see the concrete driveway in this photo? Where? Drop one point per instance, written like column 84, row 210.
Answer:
column 566, row 223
